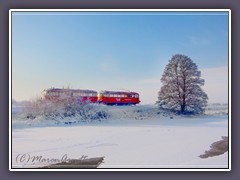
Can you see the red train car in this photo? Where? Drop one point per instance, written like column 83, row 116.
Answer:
column 118, row 98
column 74, row 94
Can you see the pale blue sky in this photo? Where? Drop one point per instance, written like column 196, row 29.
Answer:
column 110, row 50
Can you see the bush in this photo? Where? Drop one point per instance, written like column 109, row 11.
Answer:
column 63, row 109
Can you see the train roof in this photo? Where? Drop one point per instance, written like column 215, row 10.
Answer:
column 72, row 90
column 118, row 92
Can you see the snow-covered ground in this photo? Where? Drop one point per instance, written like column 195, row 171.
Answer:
column 132, row 137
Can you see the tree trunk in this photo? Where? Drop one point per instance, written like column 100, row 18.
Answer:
column 183, row 108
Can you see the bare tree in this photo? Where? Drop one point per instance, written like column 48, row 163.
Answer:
column 181, row 90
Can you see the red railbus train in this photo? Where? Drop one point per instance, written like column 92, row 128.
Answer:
column 104, row 97
column 118, row 98
column 73, row 94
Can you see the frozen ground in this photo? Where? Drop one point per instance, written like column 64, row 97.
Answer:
column 132, row 137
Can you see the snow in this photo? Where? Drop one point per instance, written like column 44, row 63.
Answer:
column 133, row 137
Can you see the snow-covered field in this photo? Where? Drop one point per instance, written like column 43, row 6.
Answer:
column 132, row 137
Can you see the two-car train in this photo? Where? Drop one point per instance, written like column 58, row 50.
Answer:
column 104, row 97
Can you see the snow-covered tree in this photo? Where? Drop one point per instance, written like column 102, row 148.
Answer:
column 181, row 87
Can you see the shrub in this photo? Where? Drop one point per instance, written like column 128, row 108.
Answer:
column 62, row 109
